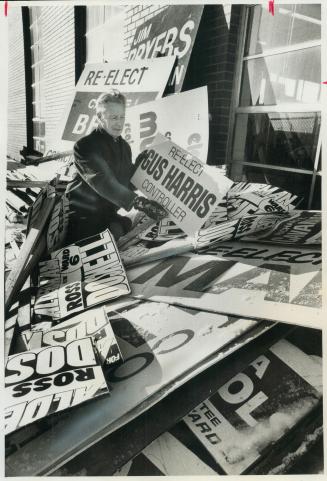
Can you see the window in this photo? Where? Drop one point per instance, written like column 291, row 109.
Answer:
column 37, row 78
column 277, row 120
column 104, row 33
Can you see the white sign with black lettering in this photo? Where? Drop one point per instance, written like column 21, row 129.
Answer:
column 80, row 276
column 139, row 80
column 48, row 380
column 181, row 183
column 128, row 76
column 278, row 283
column 143, row 122
column 252, row 410
column 299, row 227
column 163, row 347
column 94, row 323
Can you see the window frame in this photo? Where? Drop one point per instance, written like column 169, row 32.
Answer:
column 235, row 165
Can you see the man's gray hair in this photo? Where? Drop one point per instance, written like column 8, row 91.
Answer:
column 111, row 97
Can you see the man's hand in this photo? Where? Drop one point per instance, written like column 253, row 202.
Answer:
column 151, row 208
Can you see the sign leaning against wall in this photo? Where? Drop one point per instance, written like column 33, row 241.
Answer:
column 170, row 32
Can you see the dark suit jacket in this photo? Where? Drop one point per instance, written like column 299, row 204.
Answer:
column 104, row 169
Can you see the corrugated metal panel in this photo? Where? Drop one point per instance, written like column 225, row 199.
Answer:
column 59, row 62
column 16, row 91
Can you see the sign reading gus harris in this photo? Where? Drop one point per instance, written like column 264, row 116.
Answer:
column 170, row 32
column 179, row 182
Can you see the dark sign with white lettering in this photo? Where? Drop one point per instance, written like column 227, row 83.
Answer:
column 170, row 32
column 251, row 411
column 79, row 276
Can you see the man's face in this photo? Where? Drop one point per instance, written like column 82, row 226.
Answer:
column 113, row 119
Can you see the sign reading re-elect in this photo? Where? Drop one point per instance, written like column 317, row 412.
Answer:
column 140, row 81
column 180, row 183
column 170, row 32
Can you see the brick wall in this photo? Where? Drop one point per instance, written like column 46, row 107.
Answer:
column 212, row 63
column 135, row 16
column 16, row 85
column 59, row 62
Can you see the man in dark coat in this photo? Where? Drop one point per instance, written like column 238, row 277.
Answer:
column 101, row 186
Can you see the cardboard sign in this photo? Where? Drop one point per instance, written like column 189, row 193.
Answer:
column 162, row 231
column 163, row 347
column 179, row 182
column 170, row 32
column 94, row 323
column 297, row 228
column 269, row 282
column 48, row 380
column 252, row 411
column 144, row 122
column 250, row 198
column 165, row 456
column 80, row 276
column 140, row 81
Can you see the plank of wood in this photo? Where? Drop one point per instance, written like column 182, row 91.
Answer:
column 173, row 247
column 10, row 328
column 33, row 160
column 132, row 236
column 31, row 250
column 23, row 184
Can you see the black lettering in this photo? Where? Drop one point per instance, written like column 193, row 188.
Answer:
column 89, row 77
column 204, row 209
column 205, row 273
column 63, row 379
column 21, row 389
column 187, row 332
column 84, row 374
column 148, row 358
column 42, row 384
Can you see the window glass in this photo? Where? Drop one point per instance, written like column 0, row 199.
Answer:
column 286, row 140
column 298, row 184
column 292, row 77
column 291, row 24
column 95, row 17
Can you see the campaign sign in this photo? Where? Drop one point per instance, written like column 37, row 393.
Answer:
column 257, row 406
column 179, row 182
column 44, row 381
column 144, row 122
column 163, row 347
column 94, row 323
column 299, row 227
column 251, row 198
column 166, row 456
column 277, row 283
column 170, row 32
column 140, row 81
column 80, row 276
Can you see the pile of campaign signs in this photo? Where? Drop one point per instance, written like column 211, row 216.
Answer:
column 139, row 333
column 108, row 330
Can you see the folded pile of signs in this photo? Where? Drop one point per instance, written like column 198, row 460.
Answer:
column 189, row 301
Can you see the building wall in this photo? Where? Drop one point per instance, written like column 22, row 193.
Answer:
column 212, row 63
column 59, row 63
column 136, row 16
column 16, row 83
